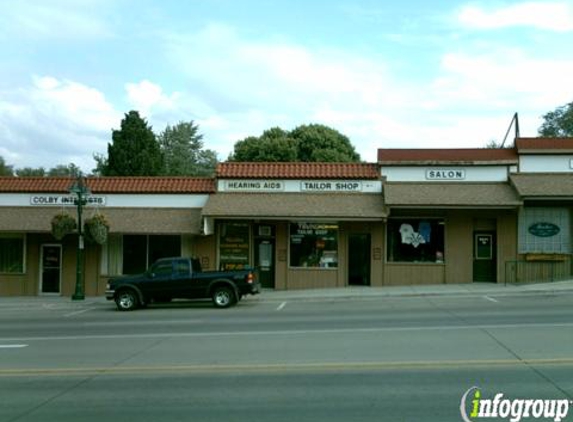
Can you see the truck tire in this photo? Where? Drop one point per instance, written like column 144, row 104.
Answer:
column 223, row 297
column 126, row 300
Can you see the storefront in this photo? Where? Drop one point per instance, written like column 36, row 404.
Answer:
column 148, row 218
column 303, row 225
column 545, row 182
column 415, row 217
column 452, row 215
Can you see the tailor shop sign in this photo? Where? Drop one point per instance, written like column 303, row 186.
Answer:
column 331, row 186
column 62, row 200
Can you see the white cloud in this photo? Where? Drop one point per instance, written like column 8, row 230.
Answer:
column 54, row 19
column 146, row 96
column 54, row 122
column 503, row 78
column 551, row 16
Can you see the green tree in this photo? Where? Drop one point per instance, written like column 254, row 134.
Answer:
column 307, row 143
column 558, row 123
column 323, row 144
column 31, row 172
column 64, row 170
column 273, row 145
column 134, row 150
column 5, row 169
column 183, row 153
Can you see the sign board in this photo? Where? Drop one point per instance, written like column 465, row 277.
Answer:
column 445, row 174
column 254, row 185
column 62, row 200
column 543, row 229
column 331, row 186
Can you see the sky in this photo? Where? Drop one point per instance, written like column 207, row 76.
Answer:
column 387, row 74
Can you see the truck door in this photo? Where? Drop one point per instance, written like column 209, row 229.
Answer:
column 159, row 279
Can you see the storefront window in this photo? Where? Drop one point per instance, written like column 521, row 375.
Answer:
column 415, row 240
column 234, row 246
column 544, row 230
column 12, row 254
column 140, row 251
column 314, row 245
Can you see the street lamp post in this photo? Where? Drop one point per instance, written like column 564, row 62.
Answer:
column 81, row 190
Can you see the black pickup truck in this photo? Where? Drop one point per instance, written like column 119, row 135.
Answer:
column 181, row 278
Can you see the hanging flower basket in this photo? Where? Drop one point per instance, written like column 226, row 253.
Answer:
column 96, row 229
column 63, row 224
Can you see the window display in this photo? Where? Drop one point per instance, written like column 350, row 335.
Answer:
column 314, row 245
column 416, row 240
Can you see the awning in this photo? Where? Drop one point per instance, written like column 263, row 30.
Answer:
column 121, row 220
column 544, row 186
column 451, row 195
column 288, row 206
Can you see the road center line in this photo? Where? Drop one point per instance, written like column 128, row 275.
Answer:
column 281, row 306
column 491, row 299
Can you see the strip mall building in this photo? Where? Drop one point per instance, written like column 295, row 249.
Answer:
column 414, row 217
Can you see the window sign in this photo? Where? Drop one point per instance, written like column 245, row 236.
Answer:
column 484, row 246
column 545, row 230
column 314, row 245
column 234, row 246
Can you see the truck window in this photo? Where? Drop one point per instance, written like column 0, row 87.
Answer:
column 196, row 265
column 182, row 268
column 162, row 269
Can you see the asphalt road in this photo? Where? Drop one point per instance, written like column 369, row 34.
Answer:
column 386, row 359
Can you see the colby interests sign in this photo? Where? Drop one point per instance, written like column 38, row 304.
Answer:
column 60, row 200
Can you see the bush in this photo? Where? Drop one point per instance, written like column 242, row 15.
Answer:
column 62, row 225
column 96, row 229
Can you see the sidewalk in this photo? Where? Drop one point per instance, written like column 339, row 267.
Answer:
column 341, row 293
column 468, row 289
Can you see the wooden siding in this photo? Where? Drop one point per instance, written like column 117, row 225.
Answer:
column 413, row 274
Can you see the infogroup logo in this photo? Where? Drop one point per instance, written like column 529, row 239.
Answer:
column 474, row 407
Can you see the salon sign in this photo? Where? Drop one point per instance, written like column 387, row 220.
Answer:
column 445, row 174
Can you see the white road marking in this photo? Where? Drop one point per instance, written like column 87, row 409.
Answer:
column 81, row 311
column 491, row 299
column 281, row 306
column 13, row 346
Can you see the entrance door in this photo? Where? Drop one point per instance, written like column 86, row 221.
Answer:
column 264, row 257
column 485, row 262
column 50, row 269
column 359, row 260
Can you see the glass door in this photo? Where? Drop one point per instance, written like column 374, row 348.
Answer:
column 50, row 269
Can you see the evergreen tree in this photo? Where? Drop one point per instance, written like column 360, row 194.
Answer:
column 134, row 150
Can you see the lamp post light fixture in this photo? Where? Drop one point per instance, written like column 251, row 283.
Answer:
column 80, row 189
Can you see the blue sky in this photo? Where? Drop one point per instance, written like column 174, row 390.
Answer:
column 400, row 74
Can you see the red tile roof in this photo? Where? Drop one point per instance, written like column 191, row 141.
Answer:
column 297, row 170
column 109, row 184
column 544, row 144
column 475, row 155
